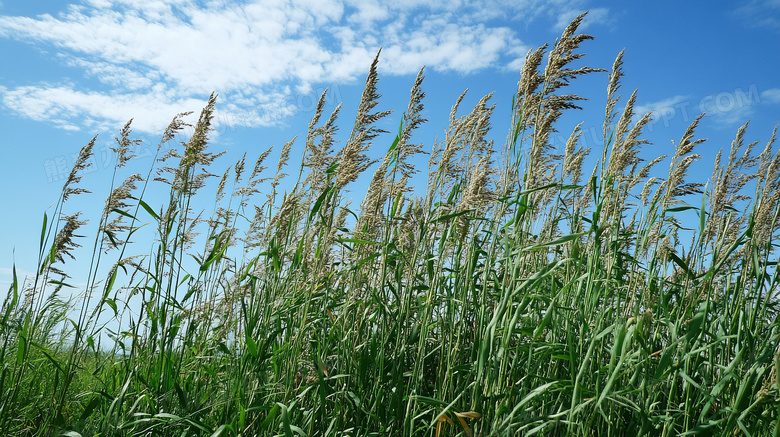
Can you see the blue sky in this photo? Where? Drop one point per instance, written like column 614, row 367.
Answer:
column 74, row 70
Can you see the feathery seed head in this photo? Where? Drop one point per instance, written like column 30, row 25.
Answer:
column 82, row 163
column 124, row 143
column 239, row 168
column 63, row 242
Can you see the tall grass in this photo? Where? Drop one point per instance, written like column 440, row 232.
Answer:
column 520, row 294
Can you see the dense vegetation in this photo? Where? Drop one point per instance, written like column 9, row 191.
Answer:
column 519, row 293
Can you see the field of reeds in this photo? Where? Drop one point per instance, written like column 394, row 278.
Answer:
column 519, row 293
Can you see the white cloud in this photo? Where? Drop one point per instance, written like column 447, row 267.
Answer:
column 731, row 117
column 725, row 108
column 151, row 111
column 760, row 13
column 662, row 107
column 448, row 46
column 595, row 16
column 61, row 105
column 665, row 112
column 771, row 95
column 154, row 59
column 731, row 107
column 115, row 75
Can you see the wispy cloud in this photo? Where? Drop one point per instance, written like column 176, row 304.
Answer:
column 726, row 108
column 760, row 13
column 771, row 95
column 149, row 60
column 661, row 107
column 667, row 111
column 72, row 109
column 595, row 16
column 734, row 116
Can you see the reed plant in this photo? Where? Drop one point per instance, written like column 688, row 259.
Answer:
column 519, row 293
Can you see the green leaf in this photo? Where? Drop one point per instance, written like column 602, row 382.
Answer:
column 148, row 209
column 220, row 430
column 616, row 361
column 251, row 346
column 45, row 352
column 394, row 210
column 49, row 259
column 94, row 403
column 189, row 294
column 545, row 322
column 43, row 231
column 124, row 213
column 21, row 349
column 285, row 421
column 450, row 216
column 555, row 242
column 697, row 322
column 216, row 253
column 112, row 304
column 271, row 416
column 355, row 241
column 680, row 208
column 60, row 283
column 703, row 211
column 13, row 293
column 516, row 130
column 320, row 199
column 682, row 264
column 112, row 279
column 665, row 363
column 530, row 396
column 111, row 238
column 430, row 401
column 167, row 416
column 397, row 138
